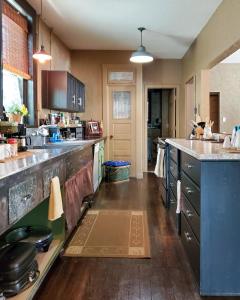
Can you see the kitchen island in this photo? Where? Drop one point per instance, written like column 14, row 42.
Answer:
column 210, row 211
column 25, row 189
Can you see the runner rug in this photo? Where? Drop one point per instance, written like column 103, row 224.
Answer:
column 111, row 233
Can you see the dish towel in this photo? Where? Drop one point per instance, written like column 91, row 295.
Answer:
column 55, row 208
column 77, row 188
column 160, row 168
column 179, row 197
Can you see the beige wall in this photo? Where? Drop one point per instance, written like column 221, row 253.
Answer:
column 164, row 72
column 60, row 59
column 225, row 78
column 218, row 38
column 87, row 65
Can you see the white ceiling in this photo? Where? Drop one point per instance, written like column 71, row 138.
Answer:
column 112, row 24
column 233, row 58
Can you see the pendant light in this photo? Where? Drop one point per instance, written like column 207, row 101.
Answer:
column 141, row 55
column 41, row 55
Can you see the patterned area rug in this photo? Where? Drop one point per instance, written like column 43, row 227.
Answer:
column 111, row 233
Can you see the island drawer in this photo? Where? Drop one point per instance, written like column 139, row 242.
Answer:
column 76, row 161
column 191, row 216
column 173, row 184
column 23, row 197
column 191, row 166
column 3, row 212
column 173, row 153
column 56, row 169
column 191, row 246
column 191, row 191
column 173, row 169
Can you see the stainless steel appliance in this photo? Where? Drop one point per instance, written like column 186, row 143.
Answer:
column 77, row 132
column 163, row 181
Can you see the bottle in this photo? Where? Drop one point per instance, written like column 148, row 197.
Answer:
column 237, row 139
column 233, row 138
column 14, row 146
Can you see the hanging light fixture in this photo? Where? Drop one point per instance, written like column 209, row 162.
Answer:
column 141, row 55
column 41, row 55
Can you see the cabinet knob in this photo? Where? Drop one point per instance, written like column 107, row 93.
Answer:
column 189, row 213
column 27, row 197
column 189, row 166
column 189, row 190
column 111, row 136
column 188, row 236
column 74, row 99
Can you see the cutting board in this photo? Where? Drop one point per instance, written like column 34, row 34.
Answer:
column 20, row 155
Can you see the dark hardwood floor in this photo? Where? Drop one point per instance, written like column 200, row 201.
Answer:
column 166, row 276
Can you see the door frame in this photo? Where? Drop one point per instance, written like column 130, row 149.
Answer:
column 137, row 69
column 194, row 80
column 219, row 117
column 145, row 129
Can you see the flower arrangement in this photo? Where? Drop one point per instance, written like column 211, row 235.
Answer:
column 16, row 112
column 17, row 109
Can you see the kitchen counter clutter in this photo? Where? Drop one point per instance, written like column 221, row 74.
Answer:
column 43, row 154
column 203, row 150
column 25, row 186
column 209, row 211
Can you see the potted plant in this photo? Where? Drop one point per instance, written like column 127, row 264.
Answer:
column 16, row 113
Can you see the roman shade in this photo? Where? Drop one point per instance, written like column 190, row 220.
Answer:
column 15, row 42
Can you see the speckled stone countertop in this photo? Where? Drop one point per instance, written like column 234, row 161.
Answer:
column 203, row 150
column 39, row 156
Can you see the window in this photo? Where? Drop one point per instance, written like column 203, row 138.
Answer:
column 12, row 89
column 18, row 23
column 121, row 105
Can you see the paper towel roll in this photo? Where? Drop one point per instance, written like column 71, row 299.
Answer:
column 55, row 209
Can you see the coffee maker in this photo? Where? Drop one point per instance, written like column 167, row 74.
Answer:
column 22, row 139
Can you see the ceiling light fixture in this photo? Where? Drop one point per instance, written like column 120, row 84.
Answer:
column 141, row 55
column 41, row 55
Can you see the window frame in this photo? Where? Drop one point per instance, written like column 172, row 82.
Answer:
column 27, row 10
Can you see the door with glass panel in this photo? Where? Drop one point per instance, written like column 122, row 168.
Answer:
column 122, row 123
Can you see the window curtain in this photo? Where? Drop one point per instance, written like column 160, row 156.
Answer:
column 15, row 42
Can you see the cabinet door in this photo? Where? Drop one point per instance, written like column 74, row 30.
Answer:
column 71, row 93
column 80, row 96
column 54, row 90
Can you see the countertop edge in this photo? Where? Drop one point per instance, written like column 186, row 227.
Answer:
column 65, row 151
column 205, row 157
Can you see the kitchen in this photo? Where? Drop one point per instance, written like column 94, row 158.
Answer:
column 74, row 123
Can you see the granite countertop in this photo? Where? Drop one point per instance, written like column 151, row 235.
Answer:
column 203, row 150
column 38, row 156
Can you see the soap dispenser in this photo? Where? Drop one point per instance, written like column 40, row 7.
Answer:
column 237, row 139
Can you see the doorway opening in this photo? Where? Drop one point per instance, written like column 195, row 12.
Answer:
column 161, row 121
column 214, row 106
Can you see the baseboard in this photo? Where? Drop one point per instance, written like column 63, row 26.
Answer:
column 139, row 175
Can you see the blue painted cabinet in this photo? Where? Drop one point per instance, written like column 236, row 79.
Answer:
column 210, row 222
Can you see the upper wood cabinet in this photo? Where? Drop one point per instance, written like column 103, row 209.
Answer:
column 62, row 91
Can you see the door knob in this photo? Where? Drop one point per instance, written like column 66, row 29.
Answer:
column 111, row 136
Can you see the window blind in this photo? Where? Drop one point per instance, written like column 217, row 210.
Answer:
column 15, row 53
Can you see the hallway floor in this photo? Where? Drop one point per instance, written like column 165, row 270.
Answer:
column 166, row 276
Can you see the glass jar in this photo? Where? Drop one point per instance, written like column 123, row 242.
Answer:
column 14, row 146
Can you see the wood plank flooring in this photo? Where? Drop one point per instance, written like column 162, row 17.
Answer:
column 166, row 276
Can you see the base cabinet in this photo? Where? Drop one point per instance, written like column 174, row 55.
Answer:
column 210, row 222
column 173, row 175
